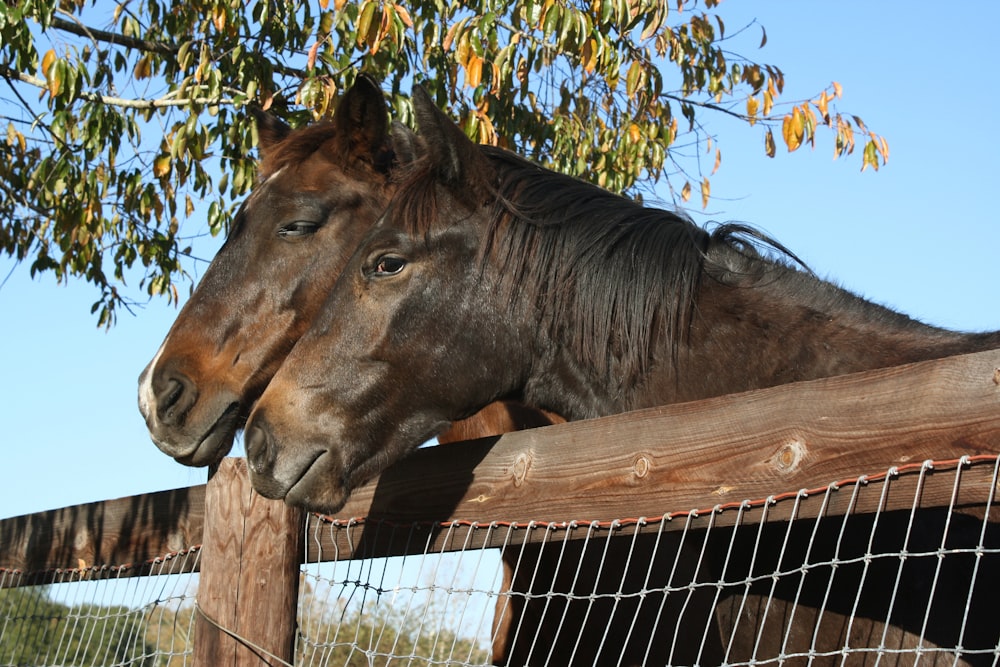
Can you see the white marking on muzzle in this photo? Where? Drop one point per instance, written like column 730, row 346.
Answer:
column 147, row 397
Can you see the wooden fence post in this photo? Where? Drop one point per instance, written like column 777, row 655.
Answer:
column 251, row 552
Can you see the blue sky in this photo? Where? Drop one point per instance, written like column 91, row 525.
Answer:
column 921, row 236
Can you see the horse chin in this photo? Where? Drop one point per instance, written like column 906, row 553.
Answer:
column 313, row 487
column 214, row 444
column 321, row 498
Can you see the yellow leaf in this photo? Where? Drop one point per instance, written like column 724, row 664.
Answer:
column 161, row 166
column 686, row 191
column 449, row 37
column 768, row 102
column 752, row 107
column 791, row 129
column 219, row 18
column 324, row 3
column 474, row 70
column 632, row 78
column 404, row 15
column 706, row 190
column 588, row 58
column 311, row 57
column 143, row 68
column 882, row 142
column 47, row 60
column 718, row 161
column 769, row 143
column 823, row 106
column 339, row 4
column 838, row 91
column 634, row 135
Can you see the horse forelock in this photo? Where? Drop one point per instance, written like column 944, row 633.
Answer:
column 324, row 136
column 415, row 203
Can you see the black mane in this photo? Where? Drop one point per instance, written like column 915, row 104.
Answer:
column 608, row 273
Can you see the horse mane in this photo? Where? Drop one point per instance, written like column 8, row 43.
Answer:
column 610, row 274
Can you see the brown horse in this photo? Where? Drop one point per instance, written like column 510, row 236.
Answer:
column 489, row 277
column 319, row 190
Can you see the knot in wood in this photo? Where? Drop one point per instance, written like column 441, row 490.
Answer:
column 519, row 471
column 788, row 458
column 641, row 466
column 996, row 376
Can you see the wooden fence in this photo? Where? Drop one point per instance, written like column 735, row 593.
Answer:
column 701, row 455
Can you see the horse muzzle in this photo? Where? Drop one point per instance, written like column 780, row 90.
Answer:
column 194, row 429
column 308, row 475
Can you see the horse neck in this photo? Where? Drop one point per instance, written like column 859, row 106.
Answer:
column 787, row 326
column 777, row 327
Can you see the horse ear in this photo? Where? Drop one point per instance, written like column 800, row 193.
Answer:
column 407, row 146
column 271, row 130
column 457, row 160
column 361, row 116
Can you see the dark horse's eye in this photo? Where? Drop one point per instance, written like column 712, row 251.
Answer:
column 297, row 229
column 387, row 265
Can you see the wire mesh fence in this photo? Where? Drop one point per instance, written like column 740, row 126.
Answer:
column 100, row 615
column 825, row 576
column 837, row 579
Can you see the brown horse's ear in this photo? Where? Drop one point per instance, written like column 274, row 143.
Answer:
column 406, row 145
column 458, row 161
column 271, row 131
column 361, row 116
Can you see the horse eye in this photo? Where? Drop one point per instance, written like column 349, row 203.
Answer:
column 387, row 265
column 297, row 229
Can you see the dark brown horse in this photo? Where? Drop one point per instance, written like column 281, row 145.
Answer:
column 318, row 192
column 489, row 278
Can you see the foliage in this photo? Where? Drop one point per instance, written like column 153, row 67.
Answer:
column 383, row 633
column 36, row 628
column 124, row 119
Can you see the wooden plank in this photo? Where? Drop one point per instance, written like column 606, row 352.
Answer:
column 128, row 532
column 248, row 588
column 698, row 455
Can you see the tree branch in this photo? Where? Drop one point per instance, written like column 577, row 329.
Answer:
column 126, row 103
column 113, row 38
column 145, row 45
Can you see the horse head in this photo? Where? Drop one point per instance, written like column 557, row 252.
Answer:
column 319, row 190
column 383, row 367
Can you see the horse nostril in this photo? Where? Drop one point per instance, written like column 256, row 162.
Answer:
column 175, row 394
column 260, row 449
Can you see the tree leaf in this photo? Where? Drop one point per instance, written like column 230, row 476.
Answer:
column 752, row 107
column 769, row 143
column 143, row 68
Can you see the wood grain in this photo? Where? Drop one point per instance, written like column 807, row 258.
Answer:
column 249, row 581
column 125, row 533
